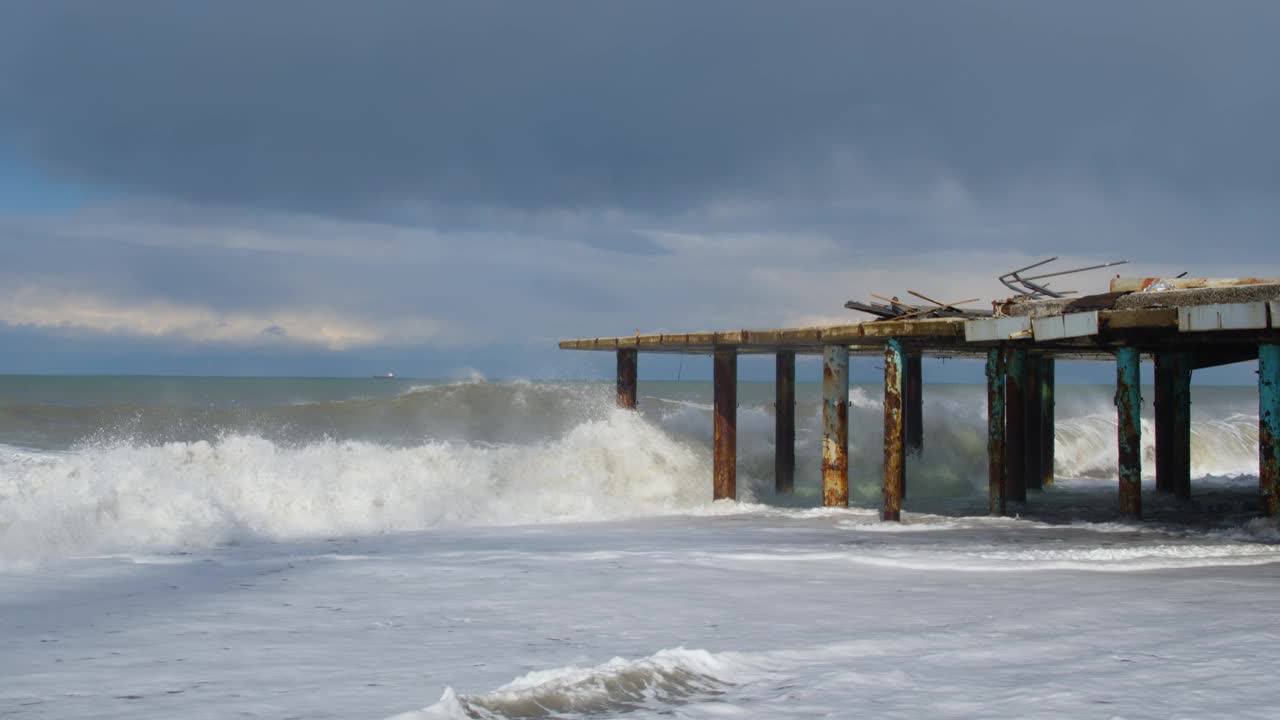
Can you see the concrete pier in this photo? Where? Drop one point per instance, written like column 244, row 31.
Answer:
column 725, row 431
column 628, row 372
column 784, row 425
column 835, row 426
column 995, row 431
column 1129, row 429
column 1201, row 323
column 1269, row 426
column 895, row 471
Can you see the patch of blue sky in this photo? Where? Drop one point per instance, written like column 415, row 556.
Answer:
column 25, row 190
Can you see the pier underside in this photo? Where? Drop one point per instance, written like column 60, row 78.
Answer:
column 1180, row 330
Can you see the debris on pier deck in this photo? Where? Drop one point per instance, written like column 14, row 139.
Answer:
column 1183, row 324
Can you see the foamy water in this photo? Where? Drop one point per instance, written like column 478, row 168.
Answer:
column 524, row 550
column 476, row 453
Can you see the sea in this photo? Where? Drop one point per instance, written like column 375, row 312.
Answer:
column 378, row 548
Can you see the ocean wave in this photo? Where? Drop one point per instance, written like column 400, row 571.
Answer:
column 666, row 678
column 183, row 494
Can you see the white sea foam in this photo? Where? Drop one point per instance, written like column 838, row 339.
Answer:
column 668, row 677
column 100, row 499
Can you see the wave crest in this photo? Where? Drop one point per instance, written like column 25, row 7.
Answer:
column 202, row 493
column 668, row 677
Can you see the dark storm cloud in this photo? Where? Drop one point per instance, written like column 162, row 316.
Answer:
column 342, row 107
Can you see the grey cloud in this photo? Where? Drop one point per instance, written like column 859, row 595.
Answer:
column 653, row 106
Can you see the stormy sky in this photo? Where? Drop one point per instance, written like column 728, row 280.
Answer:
column 436, row 187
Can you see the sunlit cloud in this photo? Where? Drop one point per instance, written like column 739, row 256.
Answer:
column 34, row 307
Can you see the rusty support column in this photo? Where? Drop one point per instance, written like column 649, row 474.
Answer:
column 627, row 376
column 1048, row 431
column 1034, row 472
column 1015, row 437
column 913, row 405
column 784, row 426
column 1269, row 427
column 995, row 431
column 1129, row 429
column 725, row 440
column 894, row 429
column 835, row 426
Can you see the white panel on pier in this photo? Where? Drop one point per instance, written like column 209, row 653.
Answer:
column 1005, row 328
column 1056, row 327
column 1234, row 316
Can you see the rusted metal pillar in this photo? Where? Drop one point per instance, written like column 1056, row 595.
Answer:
column 1048, row 431
column 1034, row 472
column 784, row 459
column 995, row 431
column 1269, row 427
column 1129, row 428
column 725, row 440
column 1182, row 427
column 1015, row 410
column 835, row 426
column 913, row 404
column 894, row 429
column 627, row 376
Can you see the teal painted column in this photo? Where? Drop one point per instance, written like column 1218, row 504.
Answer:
column 995, row 431
column 1129, row 428
column 1269, row 427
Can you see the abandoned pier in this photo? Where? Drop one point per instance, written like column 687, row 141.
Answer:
column 1182, row 325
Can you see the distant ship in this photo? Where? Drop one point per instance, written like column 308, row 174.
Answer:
column 386, row 376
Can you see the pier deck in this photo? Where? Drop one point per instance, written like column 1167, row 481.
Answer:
column 1180, row 329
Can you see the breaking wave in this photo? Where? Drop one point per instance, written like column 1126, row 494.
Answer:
column 97, row 479
column 666, row 678
column 238, row 488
